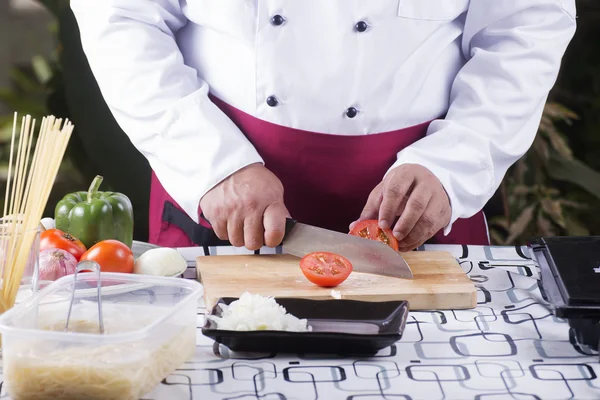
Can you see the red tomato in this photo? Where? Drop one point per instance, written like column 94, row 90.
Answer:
column 111, row 255
column 369, row 229
column 325, row 269
column 57, row 239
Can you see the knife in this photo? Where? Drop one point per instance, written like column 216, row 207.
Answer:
column 366, row 255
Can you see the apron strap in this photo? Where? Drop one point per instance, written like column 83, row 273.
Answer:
column 197, row 233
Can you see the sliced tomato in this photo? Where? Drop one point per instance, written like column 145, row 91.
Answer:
column 369, row 229
column 57, row 239
column 325, row 269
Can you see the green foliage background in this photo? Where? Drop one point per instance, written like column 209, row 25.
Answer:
column 553, row 190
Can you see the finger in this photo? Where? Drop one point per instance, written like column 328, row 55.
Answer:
column 219, row 226
column 235, row 231
column 426, row 226
column 416, row 205
column 217, row 221
column 418, row 235
column 394, row 193
column 401, row 208
column 402, row 205
column 403, row 248
column 253, row 231
column 274, row 224
column 371, row 208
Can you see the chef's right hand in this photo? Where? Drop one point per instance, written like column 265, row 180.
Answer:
column 247, row 208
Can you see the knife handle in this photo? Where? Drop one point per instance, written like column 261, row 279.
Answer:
column 289, row 225
column 211, row 239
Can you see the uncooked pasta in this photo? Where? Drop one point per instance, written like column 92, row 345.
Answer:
column 69, row 369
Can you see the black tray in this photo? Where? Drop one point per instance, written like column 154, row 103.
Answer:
column 339, row 327
column 570, row 282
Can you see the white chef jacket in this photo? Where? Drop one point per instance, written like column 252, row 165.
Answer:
column 487, row 65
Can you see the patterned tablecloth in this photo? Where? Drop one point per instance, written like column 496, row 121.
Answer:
column 509, row 347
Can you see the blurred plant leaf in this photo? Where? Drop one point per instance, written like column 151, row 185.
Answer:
column 21, row 103
column 554, row 210
column 6, row 128
column 522, row 189
column 53, row 28
column 573, row 204
column 550, row 191
column 496, row 237
column 576, row 172
column 544, row 225
column 24, row 82
column 5, row 133
column 559, row 144
column 42, row 69
column 540, row 148
column 558, row 112
column 521, row 223
column 53, row 5
column 7, row 119
column 575, row 227
column 501, row 222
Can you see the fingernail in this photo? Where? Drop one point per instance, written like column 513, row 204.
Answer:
column 398, row 235
column 384, row 224
column 352, row 225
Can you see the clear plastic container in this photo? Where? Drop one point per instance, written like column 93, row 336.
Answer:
column 149, row 331
column 9, row 245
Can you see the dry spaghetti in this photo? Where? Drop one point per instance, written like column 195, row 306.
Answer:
column 30, row 180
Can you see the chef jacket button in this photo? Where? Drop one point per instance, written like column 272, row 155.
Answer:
column 272, row 101
column 277, row 20
column 361, row 26
column 351, row 112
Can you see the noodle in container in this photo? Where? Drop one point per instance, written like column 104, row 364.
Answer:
column 148, row 331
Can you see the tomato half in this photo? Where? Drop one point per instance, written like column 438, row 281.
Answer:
column 111, row 255
column 369, row 229
column 325, row 269
column 57, row 239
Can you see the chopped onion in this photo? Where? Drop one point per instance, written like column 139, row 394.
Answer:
column 56, row 263
column 253, row 312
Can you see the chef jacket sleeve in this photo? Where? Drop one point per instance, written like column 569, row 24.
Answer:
column 513, row 51
column 158, row 101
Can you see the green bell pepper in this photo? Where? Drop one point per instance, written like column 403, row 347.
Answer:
column 94, row 216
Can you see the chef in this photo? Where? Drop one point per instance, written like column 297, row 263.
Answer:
column 331, row 112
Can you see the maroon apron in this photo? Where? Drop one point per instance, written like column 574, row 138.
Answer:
column 326, row 178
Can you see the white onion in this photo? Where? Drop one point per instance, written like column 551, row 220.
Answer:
column 47, row 223
column 162, row 261
column 56, row 263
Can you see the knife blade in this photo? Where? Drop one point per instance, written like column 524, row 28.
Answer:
column 366, row 255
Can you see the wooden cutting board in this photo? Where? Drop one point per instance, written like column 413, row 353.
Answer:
column 439, row 282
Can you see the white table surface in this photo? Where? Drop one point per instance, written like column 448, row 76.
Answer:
column 509, row 347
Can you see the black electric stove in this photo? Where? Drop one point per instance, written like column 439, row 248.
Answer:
column 570, row 282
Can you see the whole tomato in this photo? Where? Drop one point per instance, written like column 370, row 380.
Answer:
column 57, row 239
column 111, row 255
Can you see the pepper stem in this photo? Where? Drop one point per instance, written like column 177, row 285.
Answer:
column 94, row 187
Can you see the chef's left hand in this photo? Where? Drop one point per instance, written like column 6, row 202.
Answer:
column 412, row 192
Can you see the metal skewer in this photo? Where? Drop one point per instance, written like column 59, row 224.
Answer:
column 87, row 265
